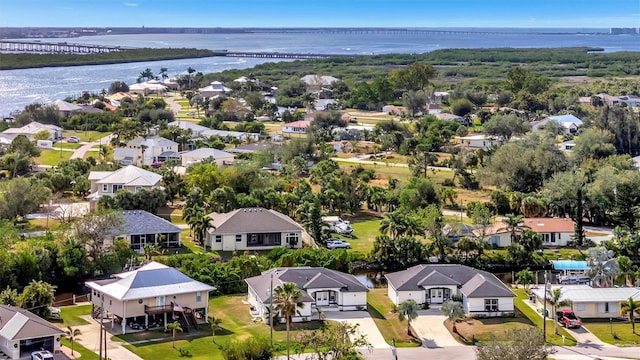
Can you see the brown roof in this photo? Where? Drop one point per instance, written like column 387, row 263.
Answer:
column 21, row 324
column 542, row 225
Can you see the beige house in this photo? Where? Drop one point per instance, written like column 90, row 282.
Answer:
column 588, row 302
column 480, row 292
column 152, row 293
column 22, row 332
column 253, row 229
column 129, row 178
column 221, row 158
column 325, row 289
column 296, row 127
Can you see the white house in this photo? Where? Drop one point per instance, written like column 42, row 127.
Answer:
column 221, row 158
column 199, row 130
column 152, row 292
column 22, row 332
column 554, row 231
column 325, row 289
column 130, row 178
column 214, row 89
column 590, row 302
column 141, row 228
column 480, row 292
column 296, row 127
column 569, row 123
column 253, row 229
column 479, row 141
column 146, row 151
column 149, row 87
column 34, row 127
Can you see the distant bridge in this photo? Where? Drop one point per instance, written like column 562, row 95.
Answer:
column 276, row 55
column 56, row 48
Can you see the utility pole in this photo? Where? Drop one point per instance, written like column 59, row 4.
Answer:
column 544, row 309
column 271, row 308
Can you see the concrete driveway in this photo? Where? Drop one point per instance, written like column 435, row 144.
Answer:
column 366, row 325
column 429, row 327
column 586, row 338
column 90, row 339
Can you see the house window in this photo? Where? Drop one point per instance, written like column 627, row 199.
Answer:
column 579, row 306
column 105, row 187
column 116, row 187
column 490, row 304
column 218, row 238
column 238, row 238
column 198, row 296
column 292, row 239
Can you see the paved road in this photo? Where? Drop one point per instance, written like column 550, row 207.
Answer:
column 365, row 323
column 173, row 105
column 80, row 152
column 585, row 338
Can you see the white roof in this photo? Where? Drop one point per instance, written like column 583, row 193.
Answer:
column 32, row 128
column 477, row 137
column 195, row 128
column 65, row 106
column 127, row 176
column 152, row 142
column 318, row 80
column 151, row 280
column 585, row 293
column 147, row 86
column 204, row 153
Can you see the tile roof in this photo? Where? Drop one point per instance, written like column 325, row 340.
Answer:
column 475, row 283
column 542, row 225
column 151, row 280
column 21, row 324
column 138, row 222
column 305, row 278
column 252, row 220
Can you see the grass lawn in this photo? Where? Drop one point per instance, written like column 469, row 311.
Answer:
column 564, row 253
column 365, row 230
column 621, row 329
column 380, row 307
column 535, row 318
column 59, row 145
column 87, row 136
column 52, row 157
column 71, row 315
column 486, row 329
column 382, row 171
column 236, row 325
column 43, row 225
column 80, row 351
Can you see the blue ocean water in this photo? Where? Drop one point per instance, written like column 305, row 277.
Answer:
column 21, row 87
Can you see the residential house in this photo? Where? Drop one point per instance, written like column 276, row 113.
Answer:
column 325, row 289
column 216, row 88
column 296, row 127
column 555, row 231
column 588, row 302
column 6, row 140
column 129, row 178
column 146, row 151
column 66, row 109
column 147, row 88
column 220, row 157
column 567, row 146
column 152, row 292
column 203, row 131
column 253, row 229
column 251, row 148
column 316, row 82
column 479, row 141
column 22, row 332
column 480, row 292
column 569, row 123
column 141, row 228
column 34, row 127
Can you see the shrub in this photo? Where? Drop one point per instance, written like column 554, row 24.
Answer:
column 256, row 348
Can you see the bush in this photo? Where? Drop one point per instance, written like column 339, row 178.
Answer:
column 448, row 182
column 256, row 348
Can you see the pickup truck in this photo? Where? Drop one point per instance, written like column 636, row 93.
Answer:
column 568, row 319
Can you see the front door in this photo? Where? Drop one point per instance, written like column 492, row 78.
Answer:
column 437, row 296
column 322, row 298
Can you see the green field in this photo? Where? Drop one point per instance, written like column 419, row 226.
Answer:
column 71, row 315
column 605, row 331
column 52, row 157
column 86, row 136
column 62, row 145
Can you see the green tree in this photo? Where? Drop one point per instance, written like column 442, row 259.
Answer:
column 631, row 308
column 9, row 297
column 593, row 143
column 415, row 76
column 21, row 196
column 414, row 101
column 522, row 344
column 506, row 126
column 525, row 277
column 174, row 327
column 514, row 224
column 408, row 310
column 462, row 107
column 554, row 298
column 398, row 252
column 454, row 311
column 201, row 225
column 37, row 297
column 214, row 323
column 118, row 86
column 288, row 299
column 336, row 341
column 421, row 159
column 72, row 335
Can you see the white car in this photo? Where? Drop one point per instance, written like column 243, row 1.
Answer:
column 41, row 355
column 73, row 139
column 343, row 229
column 338, row 244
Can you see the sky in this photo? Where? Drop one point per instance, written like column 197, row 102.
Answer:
column 322, row 13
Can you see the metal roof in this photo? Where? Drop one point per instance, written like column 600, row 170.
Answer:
column 585, row 293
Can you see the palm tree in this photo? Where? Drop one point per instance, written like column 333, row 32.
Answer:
column 190, row 71
column 163, row 73
column 72, row 335
column 191, row 213
column 201, row 224
column 454, row 311
column 174, row 327
column 215, row 324
column 143, row 149
column 288, row 298
column 513, row 224
column 631, row 308
column 554, row 298
column 378, row 195
column 308, row 99
column 408, row 309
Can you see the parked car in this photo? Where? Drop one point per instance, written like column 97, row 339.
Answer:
column 568, row 319
column 338, row 244
column 41, row 355
column 73, row 139
column 157, row 164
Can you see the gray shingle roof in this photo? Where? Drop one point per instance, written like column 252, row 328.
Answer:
column 305, row 278
column 475, row 283
column 251, row 220
column 139, row 222
column 20, row 324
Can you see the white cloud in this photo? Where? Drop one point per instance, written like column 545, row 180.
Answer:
column 130, row 4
